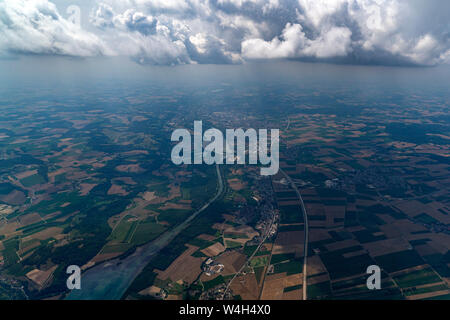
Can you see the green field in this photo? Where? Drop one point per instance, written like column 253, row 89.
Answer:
column 232, row 244
column 124, row 230
column 147, row 231
column 417, row 278
column 277, row 258
column 291, row 214
column 414, row 291
column 319, row 289
column 258, row 273
column 259, row 261
column 292, row 288
column 212, row 283
column 32, row 180
column 291, row 267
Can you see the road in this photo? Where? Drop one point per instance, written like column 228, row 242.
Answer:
column 110, row 280
column 305, row 247
column 250, row 258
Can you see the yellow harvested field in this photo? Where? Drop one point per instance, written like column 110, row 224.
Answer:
column 232, row 261
column 213, row 250
column 31, row 245
column 46, row 234
column 429, row 295
column 86, row 188
column 315, row 266
column 275, row 284
column 293, row 295
column 246, row 286
column 134, row 168
column 153, row 290
column 207, row 237
column 176, row 206
column 116, row 189
column 148, row 196
column 387, row 246
column 41, row 277
column 15, row 197
column 26, row 174
column 29, row 219
column 9, row 228
column 105, row 256
column 186, row 267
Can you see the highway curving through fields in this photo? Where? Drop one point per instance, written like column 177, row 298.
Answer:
column 305, row 247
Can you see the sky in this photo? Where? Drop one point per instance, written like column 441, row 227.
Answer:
column 172, row 32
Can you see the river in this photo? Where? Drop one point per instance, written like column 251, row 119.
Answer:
column 110, row 279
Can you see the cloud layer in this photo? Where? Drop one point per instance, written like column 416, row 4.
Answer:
column 232, row 31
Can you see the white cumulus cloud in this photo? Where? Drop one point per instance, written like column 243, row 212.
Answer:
column 36, row 27
column 232, row 31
